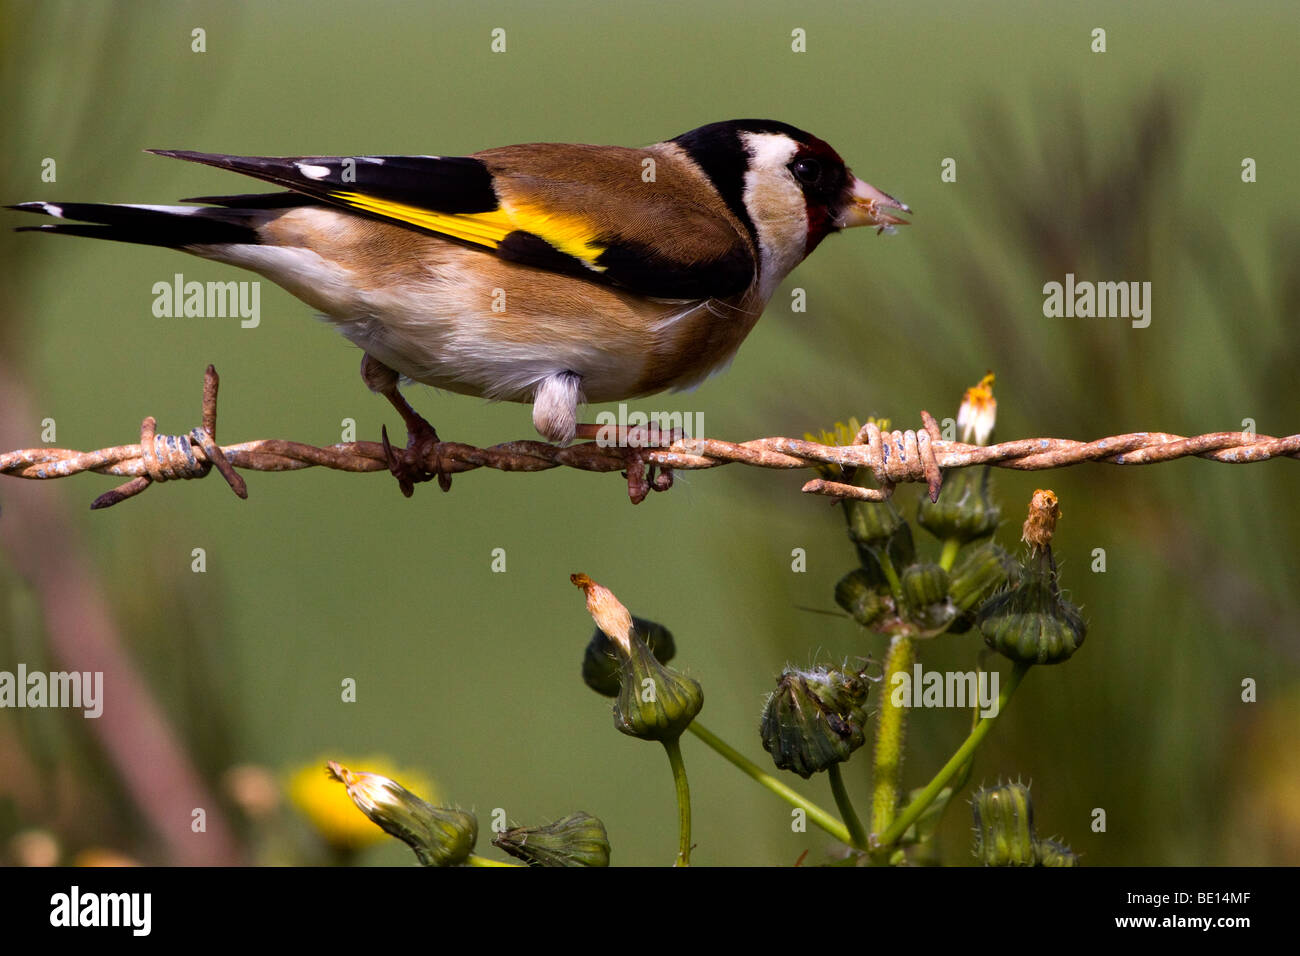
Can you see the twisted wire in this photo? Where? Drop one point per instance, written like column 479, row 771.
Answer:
column 892, row 457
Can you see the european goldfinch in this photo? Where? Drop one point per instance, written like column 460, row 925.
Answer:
column 546, row 273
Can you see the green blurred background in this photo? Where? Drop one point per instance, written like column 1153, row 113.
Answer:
column 1122, row 166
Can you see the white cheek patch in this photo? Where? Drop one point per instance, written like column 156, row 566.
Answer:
column 776, row 206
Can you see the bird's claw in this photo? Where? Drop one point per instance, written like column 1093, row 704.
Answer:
column 410, row 464
column 640, row 474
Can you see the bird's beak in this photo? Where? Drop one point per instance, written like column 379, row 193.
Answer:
column 867, row 205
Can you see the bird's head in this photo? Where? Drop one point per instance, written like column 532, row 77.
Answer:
column 789, row 189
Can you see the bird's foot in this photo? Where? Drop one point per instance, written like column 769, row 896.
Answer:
column 636, row 441
column 641, row 477
column 410, row 465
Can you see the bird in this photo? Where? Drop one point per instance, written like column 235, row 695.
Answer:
column 550, row 274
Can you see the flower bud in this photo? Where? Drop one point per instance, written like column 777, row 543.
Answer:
column 600, row 663
column 900, row 549
column 1031, row 622
column 1004, row 826
column 577, row 840
column 815, row 718
column 925, row 591
column 860, row 595
column 1056, row 853
column 654, row 702
column 965, row 509
column 978, row 574
column 439, row 836
column 872, row 523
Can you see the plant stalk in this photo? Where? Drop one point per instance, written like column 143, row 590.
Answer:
column 858, row 835
column 674, row 749
column 965, row 752
column 815, row 814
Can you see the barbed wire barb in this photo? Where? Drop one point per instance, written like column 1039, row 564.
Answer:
column 892, row 457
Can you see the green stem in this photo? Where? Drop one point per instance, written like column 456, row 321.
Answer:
column 891, row 575
column 674, row 749
column 891, row 733
column 846, row 807
column 814, row 813
column 965, row 752
column 484, row 861
column 949, row 555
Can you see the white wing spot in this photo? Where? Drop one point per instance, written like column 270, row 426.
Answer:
column 174, row 210
column 313, row 172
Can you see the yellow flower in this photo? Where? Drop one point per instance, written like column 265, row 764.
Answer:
column 840, row 435
column 978, row 413
column 331, row 811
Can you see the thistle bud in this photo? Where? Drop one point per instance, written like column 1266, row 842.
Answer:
column 439, row 836
column 1032, row 623
column 1056, row 853
column 600, row 664
column 977, row 574
column 900, row 549
column 858, row 593
column 965, row 509
column 654, row 702
column 925, row 589
column 1004, row 826
column 577, row 840
column 815, row 718
column 872, row 523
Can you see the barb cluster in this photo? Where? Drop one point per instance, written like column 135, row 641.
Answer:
column 892, row 457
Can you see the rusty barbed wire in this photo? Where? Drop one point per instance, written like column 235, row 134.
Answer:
column 892, row 457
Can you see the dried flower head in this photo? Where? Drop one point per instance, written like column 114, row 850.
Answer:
column 607, row 611
column 1044, row 512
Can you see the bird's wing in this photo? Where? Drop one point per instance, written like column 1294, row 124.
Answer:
column 639, row 220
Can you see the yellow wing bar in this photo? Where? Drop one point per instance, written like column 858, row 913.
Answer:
column 572, row 235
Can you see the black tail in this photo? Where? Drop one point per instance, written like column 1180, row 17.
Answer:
column 172, row 226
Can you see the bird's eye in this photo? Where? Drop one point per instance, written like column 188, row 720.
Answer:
column 806, row 170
